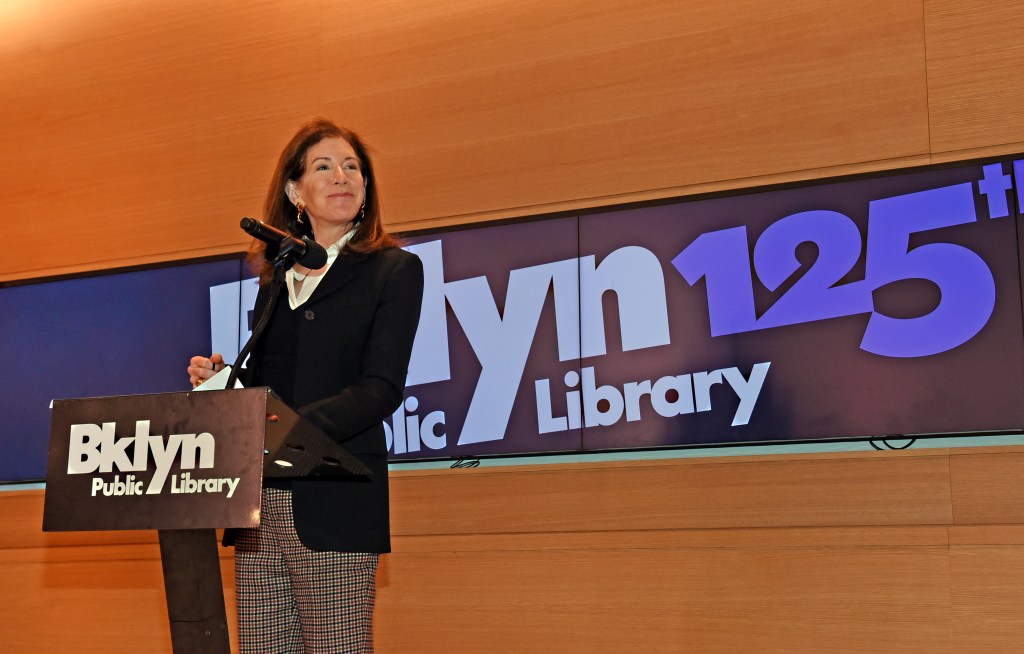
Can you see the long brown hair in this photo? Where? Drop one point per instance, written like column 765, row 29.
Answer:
column 279, row 212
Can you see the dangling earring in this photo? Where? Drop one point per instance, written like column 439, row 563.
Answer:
column 301, row 207
column 362, row 212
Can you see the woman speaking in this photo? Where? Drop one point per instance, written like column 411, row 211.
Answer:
column 338, row 351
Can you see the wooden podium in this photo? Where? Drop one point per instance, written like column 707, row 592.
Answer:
column 184, row 464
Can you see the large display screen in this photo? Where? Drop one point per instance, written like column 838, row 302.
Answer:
column 880, row 306
column 863, row 308
column 854, row 308
column 116, row 334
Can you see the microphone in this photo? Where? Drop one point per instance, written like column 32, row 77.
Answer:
column 307, row 252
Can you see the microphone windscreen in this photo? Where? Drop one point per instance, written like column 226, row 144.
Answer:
column 315, row 257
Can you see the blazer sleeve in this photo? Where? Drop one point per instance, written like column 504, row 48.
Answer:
column 378, row 391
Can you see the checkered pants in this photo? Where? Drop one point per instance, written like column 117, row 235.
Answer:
column 294, row 600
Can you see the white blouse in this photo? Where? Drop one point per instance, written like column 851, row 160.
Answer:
column 312, row 279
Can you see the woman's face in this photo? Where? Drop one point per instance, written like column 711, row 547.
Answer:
column 332, row 188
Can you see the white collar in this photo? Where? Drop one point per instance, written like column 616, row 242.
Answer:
column 310, row 282
column 334, row 249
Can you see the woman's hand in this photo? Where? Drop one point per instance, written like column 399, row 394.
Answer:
column 201, row 368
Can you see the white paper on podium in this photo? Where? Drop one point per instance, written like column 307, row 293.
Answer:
column 218, row 382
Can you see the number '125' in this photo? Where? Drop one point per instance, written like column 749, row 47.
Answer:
column 966, row 285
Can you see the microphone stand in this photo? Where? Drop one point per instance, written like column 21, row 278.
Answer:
column 283, row 261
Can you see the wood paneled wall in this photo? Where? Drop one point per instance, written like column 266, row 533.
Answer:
column 915, row 551
column 138, row 132
column 975, row 78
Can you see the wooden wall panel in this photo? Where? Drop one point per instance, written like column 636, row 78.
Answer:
column 679, row 494
column 494, row 107
column 103, row 599
column 975, row 78
column 137, row 132
column 709, row 600
column 95, row 607
column 988, row 591
column 987, row 487
column 853, row 552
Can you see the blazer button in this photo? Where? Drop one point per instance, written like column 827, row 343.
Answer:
column 309, row 314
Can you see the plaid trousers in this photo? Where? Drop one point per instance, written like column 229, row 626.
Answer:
column 294, row 600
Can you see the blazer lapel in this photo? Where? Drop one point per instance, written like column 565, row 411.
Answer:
column 341, row 272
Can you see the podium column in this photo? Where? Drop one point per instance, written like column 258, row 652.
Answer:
column 195, row 593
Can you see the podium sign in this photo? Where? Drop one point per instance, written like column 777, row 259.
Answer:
column 161, row 461
column 184, row 464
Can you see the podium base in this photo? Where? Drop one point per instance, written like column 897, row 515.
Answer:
column 195, row 594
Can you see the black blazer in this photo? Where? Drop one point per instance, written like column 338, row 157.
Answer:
column 354, row 342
